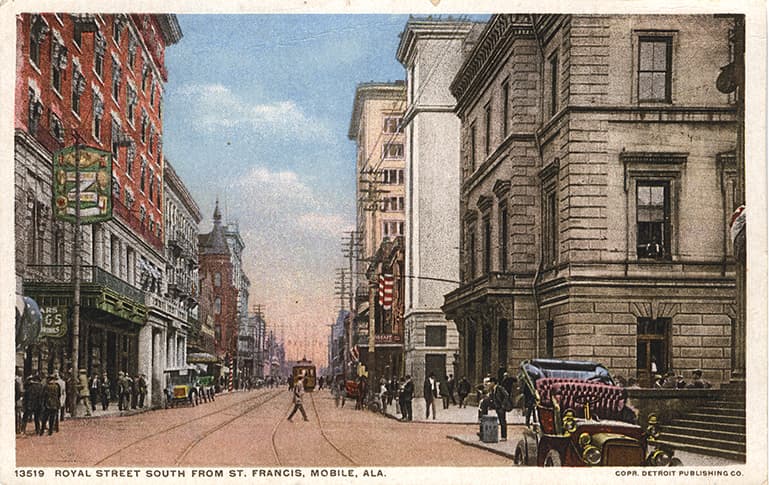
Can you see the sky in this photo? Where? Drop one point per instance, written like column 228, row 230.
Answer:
column 256, row 114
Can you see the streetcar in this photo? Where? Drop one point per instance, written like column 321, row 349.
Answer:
column 304, row 368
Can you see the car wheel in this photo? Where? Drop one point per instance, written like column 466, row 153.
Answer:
column 553, row 458
column 675, row 462
column 519, row 459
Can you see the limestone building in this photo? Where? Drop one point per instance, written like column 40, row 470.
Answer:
column 598, row 175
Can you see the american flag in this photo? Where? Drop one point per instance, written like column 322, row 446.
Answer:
column 386, row 291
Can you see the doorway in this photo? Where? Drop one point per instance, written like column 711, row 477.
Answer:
column 652, row 348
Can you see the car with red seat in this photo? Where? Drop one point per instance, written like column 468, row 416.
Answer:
column 580, row 417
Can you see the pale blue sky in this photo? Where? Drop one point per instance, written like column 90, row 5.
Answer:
column 257, row 109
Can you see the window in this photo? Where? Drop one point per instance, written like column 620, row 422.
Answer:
column 145, row 75
column 58, row 64
column 57, row 129
column 392, row 124
column 654, row 60
column 652, row 219
column 152, row 186
column 554, row 84
column 117, row 27
column 217, row 305
column 37, row 32
column 100, row 46
column 34, row 112
column 131, row 100
column 503, row 237
column 487, row 130
column 132, row 44
column 392, row 150
column 98, row 112
column 549, row 337
column 486, row 245
column 34, row 239
column 471, row 250
column 392, row 176
column 115, row 140
column 152, row 93
column 435, row 336
column 550, row 237
column 472, row 146
column 652, row 344
column 392, row 228
column 115, row 80
column 506, row 107
column 78, row 87
column 217, row 279
column 218, row 332
column 142, row 177
column 143, row 131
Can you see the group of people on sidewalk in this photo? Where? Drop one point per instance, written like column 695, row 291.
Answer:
column 47, row 398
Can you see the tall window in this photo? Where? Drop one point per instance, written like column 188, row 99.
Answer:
column 116, row 29
column 486, row 245
column 217, row 279
column 654, row 62
column 653, row 219
column 131, row 101
column 506, row 107
column 152, row 186
column 471, row 250
column 487, row 130
column 503, row 237
column 58, row 64
column 37, row 33
column 554, row 84
column 100, row 46
column 98, row 113
column 550, row 237
column 115, row 140
column 473, row 146
column 392, row 124
column 115, row 80
column 392, row 150
column 78, row 87
column 435, row 335
column 142, row 176
column 57, row 129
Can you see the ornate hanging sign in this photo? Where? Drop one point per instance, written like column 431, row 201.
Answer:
column 95, row 184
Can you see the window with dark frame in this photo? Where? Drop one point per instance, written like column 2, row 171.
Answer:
column 473, row 146
column 654, row 68
column 392, row 150
column 471, row 250
column 653, row 219
column 503, row 237
column 487, row 130
column 35, row 39
column 100, row 46
column 506, row 107
column 551, row 227
column 486, row 245
column 554, row 84
column 435, row 336
column 392, row 124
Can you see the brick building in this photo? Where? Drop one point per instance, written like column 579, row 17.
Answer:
column 219, row 293
column 598, row 175
column 94, row 80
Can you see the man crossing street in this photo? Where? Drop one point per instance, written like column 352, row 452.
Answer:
column 298, row 392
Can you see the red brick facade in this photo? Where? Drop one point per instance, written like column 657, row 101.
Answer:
column 106, row 88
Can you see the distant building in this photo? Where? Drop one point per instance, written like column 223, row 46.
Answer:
column 376, row 128
column 97, row 81
column 598, row 175
column 432, row 52
column 219, row 292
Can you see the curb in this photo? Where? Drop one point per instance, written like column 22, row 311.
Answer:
column 481, row 445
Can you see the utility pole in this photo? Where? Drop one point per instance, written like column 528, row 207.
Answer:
column 76, row 264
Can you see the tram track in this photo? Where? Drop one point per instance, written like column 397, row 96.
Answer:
column 249, row 408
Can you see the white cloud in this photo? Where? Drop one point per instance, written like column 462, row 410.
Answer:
column 215, row 106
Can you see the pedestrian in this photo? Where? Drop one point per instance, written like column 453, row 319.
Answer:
column 142, row 385
column 451, row 385
column 34, row 403
column 529, row 401
column 18, row 392
column 444, row 392
column 84, row 391
column 407, row 395
column 134, row 386
column 320, row 383
column 383, row 394
column 430, row 390
column 362, row 392
column 392, row 390
column 94, row 384
column 697, row 381
column 508, row 382
column 500, row 397
column 123, row 391
column 298, row 392
column 463, row 389
column 52, row 405
column 104, row 391
column 68, row 393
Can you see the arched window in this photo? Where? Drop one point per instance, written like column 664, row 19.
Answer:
column 217, row 306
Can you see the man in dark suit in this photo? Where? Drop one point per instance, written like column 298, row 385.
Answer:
column 407, row 395
column 52, row 404
column 430, row 390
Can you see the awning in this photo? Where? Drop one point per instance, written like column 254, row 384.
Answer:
column 202, row 358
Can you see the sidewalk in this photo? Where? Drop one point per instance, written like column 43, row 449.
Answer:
column 452, row 415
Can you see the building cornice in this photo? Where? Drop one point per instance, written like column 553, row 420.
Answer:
column 425, row 29
column 395, row 91
column 169, row 28
column 176, row 184
column 501, row 30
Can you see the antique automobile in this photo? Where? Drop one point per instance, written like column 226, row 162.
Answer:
column 579, row 417
column 181, row 387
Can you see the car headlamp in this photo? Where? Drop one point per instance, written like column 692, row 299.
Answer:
column 584, row 439
column 591, row 455
column 569, row 423
column 660, row 458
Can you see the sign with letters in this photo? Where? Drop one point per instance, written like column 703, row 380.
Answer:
column 54, row 323
column 95, row 167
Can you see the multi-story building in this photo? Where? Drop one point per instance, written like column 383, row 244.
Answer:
column 219, row 293
column 376, row 128
column 432, row 52
column 96, row 81
column 598, row 175
column 239, row 278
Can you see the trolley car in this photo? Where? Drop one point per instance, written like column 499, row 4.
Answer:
column 304, row 368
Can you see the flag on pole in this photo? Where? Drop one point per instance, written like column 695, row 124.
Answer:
column 386, row 291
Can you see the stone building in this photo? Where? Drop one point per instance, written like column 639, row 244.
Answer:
column 240, row 280
column 376, row 128
column 598, row 175
column 432, row 52
column 97, row 81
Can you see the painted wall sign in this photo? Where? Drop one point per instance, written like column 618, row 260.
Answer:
column 95, row 184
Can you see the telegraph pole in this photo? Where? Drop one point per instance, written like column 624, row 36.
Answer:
column 76, row 265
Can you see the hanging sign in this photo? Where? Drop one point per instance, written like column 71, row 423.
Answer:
column 95, row 184
column 54, row 324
